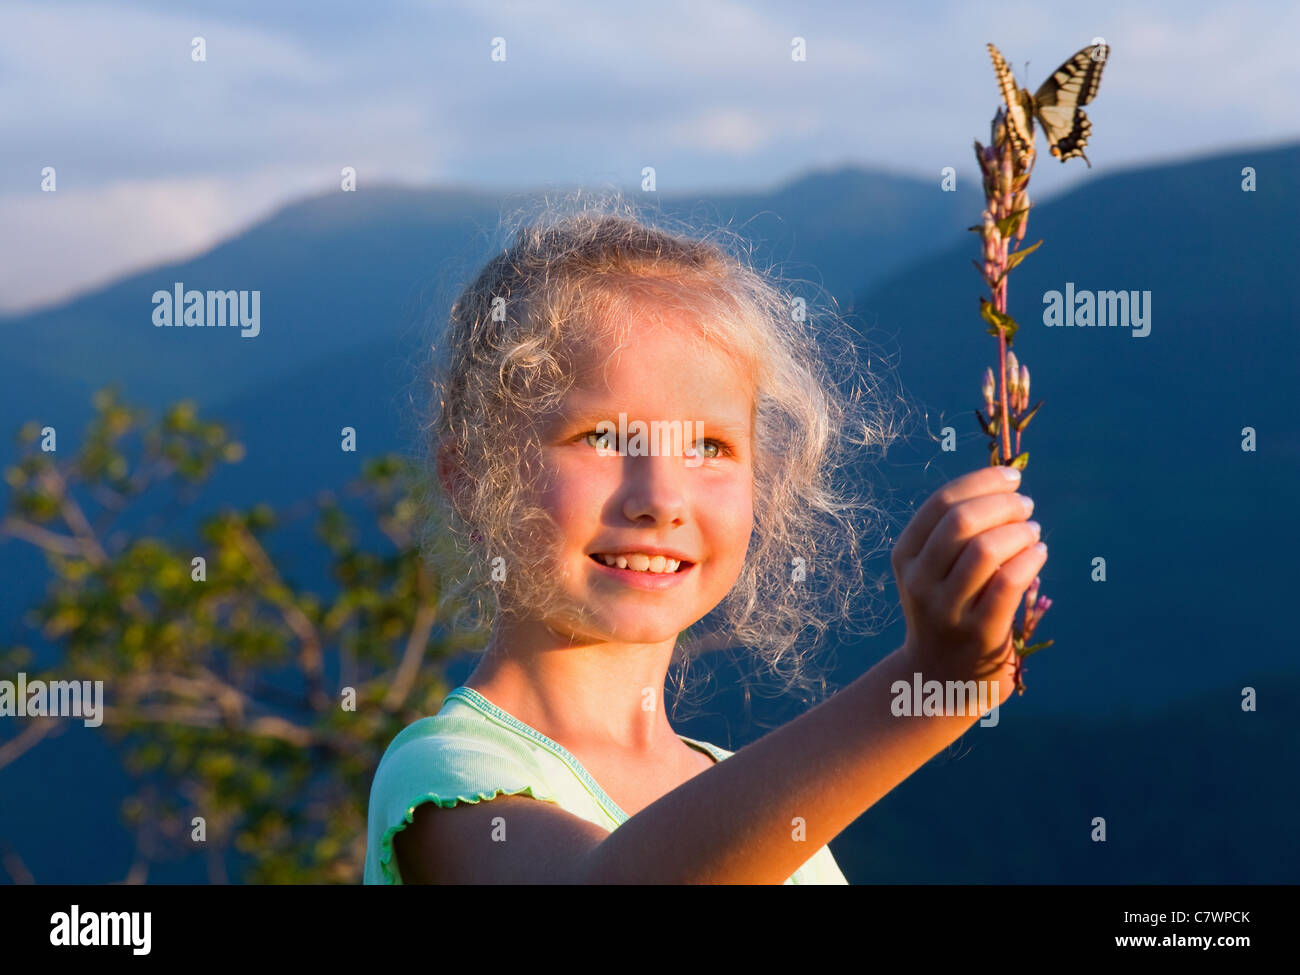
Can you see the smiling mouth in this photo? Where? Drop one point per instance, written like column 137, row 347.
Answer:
column 682, row 567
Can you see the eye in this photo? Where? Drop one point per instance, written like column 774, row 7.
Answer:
column 605, row 441
column 721, row 449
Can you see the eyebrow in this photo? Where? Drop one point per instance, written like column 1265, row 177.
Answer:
column 584, row 414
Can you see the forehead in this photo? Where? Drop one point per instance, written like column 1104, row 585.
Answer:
column 655, row 365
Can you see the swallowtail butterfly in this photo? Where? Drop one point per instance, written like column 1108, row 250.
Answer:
column 1056, row 104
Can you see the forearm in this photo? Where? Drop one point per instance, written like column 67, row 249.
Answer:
column 735, row 822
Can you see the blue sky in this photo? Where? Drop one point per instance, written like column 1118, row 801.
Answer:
column 159, row 157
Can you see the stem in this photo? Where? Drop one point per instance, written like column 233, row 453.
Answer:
column 1006, row 179
column 1002, row 365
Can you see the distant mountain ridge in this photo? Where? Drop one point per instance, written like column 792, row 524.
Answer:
column 1136, row 460
column 339, row 271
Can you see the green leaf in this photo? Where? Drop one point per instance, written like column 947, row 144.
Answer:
column 1008, row 226
column 1020, row 461
column 998, row 322
column 1015, row 258
column 1024, row 420
column 1035, row 647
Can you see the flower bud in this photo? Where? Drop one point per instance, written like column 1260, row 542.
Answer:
column 998, row 129
column 1013, row 375
column 1024, row 387
column 989, row 387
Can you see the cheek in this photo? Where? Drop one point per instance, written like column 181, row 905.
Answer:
column 728, row 510
column 570, row 497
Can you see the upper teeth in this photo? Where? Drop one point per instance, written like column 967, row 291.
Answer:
column 642, row 563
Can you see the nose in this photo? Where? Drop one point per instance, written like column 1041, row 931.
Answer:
column 655, row 488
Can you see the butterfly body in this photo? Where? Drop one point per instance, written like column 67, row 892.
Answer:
column 1057, row 104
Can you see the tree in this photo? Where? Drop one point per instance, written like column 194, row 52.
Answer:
column 227, row 686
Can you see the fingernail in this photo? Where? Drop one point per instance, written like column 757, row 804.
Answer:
column 1040, row 548
column 1035, row 527
column 1011, row 473
column 1028, row 503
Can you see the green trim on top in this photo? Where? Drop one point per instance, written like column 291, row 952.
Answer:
column 612, row 809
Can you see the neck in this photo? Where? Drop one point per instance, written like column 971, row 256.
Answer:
column 592, row 694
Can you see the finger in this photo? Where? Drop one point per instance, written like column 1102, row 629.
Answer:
column 987, row 480
column 984, row 555
column 961, row 526
column 1004, row 591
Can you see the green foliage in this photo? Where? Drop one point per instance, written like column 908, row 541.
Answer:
column 998, row 321
column 1009, row 224
column 1035, row 647
column 1023, row 422
column 1015, row 257
column 227, row 692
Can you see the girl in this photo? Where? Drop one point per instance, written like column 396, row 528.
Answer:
column 555, row 761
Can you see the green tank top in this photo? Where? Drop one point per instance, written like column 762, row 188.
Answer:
column 472, row 751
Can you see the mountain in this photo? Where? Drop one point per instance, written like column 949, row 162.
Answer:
column 350, row 284
column 1136, row 455
column 1134, row 714
column 346, row 271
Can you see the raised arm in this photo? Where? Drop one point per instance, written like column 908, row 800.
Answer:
column 963, row 564
column 731, row 823
column 734, row 823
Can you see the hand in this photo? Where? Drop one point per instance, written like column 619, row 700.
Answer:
column 963, row 565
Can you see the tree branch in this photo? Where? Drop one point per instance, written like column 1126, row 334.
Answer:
column 33, row 733
column 310, row 657
column 40, row 537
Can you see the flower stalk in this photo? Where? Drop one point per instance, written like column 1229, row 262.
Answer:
column 1006, row 168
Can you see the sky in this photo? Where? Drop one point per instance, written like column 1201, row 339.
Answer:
column 158, row 157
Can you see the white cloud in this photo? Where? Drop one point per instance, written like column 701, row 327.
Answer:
column 74, row 61
column 79, row 239
column 158, row 156
column 723, row 130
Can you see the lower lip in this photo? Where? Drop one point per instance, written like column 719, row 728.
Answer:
column 649, row 581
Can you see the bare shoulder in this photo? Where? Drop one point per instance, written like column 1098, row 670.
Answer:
column 506, row 840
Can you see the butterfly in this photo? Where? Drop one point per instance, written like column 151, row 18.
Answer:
column 1056, row 104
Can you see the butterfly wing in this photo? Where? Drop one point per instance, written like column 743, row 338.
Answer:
column 1057, row 103
column 1020, row 119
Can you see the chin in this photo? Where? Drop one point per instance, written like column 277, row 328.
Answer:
column 636, row 628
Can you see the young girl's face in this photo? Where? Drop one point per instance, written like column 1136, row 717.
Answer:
column 607, row 496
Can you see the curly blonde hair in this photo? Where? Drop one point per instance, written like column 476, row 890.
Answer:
column 567, row 285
